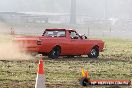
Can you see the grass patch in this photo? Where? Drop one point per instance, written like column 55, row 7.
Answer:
column 114, row 63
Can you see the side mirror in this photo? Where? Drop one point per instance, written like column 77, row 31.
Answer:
column 86, row 37
column 83, row 37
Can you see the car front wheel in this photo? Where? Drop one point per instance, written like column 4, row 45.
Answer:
column 94, row 53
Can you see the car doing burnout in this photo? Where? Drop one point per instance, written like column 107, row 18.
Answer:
column 57, row 42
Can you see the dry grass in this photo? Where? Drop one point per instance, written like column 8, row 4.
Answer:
column 114, row 63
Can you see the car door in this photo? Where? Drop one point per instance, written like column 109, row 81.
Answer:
column 76, row 44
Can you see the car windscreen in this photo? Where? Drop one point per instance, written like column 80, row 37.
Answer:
column 55, row 33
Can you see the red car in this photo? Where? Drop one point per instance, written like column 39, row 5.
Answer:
column 60, row 42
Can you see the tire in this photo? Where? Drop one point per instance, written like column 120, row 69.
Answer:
column 94, row 53
column 55, row 53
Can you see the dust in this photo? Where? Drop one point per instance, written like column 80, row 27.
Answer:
column 4, row 28
column 9, row 50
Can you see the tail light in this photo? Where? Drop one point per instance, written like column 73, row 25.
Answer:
column 39, row 42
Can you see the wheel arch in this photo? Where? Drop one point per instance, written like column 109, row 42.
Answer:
column 96, row 47
column 55, row 47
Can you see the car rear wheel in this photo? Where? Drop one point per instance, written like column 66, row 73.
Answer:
column 94, row 53
column 55, row 53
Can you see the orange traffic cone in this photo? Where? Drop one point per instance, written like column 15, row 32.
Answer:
column 85, row 73
column 40, row 80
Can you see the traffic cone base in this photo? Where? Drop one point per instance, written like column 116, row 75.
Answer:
column 40, row 81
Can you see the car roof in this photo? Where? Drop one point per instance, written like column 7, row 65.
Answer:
column 58, row 29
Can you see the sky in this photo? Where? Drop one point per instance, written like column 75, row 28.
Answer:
column 91, row 8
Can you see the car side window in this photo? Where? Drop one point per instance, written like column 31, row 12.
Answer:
column 55, row 33
column 74, row 35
